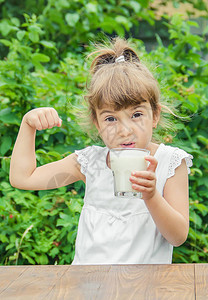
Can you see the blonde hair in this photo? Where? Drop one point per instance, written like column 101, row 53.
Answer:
column 118, row 84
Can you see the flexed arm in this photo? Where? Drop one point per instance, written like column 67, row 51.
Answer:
column 24, row 173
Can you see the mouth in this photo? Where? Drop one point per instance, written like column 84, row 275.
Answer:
column 128, row 145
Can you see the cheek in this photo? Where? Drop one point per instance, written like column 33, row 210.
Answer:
column 142, row 125
column 108, row 133
column 143, row 128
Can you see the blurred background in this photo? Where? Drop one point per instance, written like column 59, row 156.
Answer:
column 43, row 49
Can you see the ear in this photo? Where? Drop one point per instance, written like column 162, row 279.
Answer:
column 156, row 117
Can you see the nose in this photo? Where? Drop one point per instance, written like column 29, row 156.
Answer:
column 124, row 129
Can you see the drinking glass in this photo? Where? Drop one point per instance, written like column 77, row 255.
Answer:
column 122, row 162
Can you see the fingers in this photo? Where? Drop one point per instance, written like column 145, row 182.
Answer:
column 43, row 118
column 145, row 181
column 150, row 172
column 43, row 121
column 146, row 184
column 153, row 163
column 55, row 117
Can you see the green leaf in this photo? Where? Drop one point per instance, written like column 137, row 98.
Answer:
column 8, row 117
column 192, row 23
column 47, row 44
column 159, row 41
column 29, row 259
column 135, row 5
column 64, row 3
column 75, row 206
column 5, row 42
column 54, row 251
column 5, row 27
column 15, row 21
column 65, row 221
column 6, row 143
column 202, row 208
column 176, row 20
column 203, row 139
column 42, row 259
column 71, row 236
column 10, row 246
column 72, row 19
column 34, row 36
column 21, row 34
column 6, row 164
column 109, row 24
column 196, row 219
column 3, row 238
column 38, row 57
column 5, row 186
column 124, row 21
column 91, row 8
column 194, row 257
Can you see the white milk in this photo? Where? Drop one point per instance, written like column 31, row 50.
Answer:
column 123, row 162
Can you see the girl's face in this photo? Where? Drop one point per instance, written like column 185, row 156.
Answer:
column 130, row 127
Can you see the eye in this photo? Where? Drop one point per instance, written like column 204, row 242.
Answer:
column 137, row 115
column 110, row 119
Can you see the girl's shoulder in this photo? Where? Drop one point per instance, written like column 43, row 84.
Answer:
column 90, row 154
column 173, row 156
column 90, row 150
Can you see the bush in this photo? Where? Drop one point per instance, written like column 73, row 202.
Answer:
column 40, row 67
column 186, row 73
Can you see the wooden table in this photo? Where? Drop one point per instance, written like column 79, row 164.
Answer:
column 106, row 282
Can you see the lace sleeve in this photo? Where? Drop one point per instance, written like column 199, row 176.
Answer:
column 82, row 159
column 176, row 159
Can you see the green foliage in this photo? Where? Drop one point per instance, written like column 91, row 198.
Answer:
column 186, row 73
column 33, row 225
column 38, row 229
column 72, row 24
column 43, row 64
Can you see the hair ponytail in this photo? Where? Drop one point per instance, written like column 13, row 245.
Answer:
column 108, row 54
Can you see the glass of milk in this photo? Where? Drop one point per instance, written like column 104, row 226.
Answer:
column 123, row 161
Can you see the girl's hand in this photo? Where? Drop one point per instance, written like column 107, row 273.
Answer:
column 145, row 181
column 42, row 118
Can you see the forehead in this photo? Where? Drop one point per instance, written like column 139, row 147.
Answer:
column 111, row 109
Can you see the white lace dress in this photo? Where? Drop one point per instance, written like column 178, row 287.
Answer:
column 114, row 230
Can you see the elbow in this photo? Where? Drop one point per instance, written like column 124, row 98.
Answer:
column 181, row 234
column 16, row 183
column 181, row 239
column 179, row 242
column 13, row 183
column 12, row 179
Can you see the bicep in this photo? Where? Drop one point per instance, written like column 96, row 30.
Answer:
column 56, row 174
column 176, row 191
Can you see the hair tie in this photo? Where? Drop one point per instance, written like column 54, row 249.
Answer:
column 119, row 59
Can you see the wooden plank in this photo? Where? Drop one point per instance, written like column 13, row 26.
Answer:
column 80, row 283
column 98, row 282
column 149, row 282
column 171, row 282
column 201, row 280
column 9, row 274
column 123, row 282
column 33, row 282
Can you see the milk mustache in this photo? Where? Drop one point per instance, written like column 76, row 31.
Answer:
column 122, row 163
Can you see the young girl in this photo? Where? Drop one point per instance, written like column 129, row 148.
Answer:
column 123, row 101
